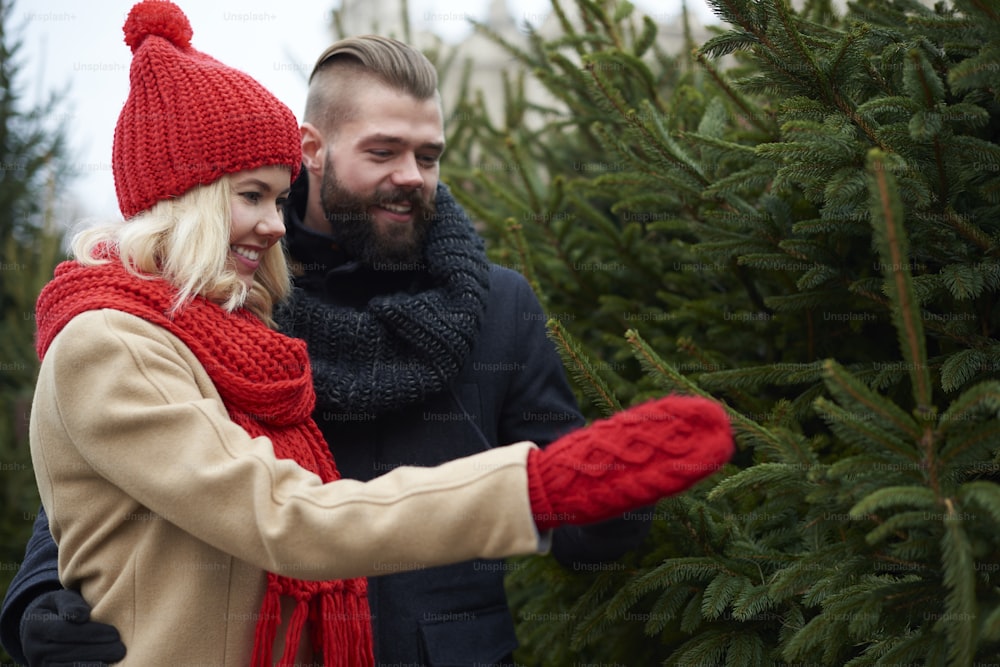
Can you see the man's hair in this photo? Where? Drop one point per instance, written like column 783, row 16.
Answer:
column 345, row 65
column 186, row 242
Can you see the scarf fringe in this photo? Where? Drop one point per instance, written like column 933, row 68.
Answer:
column 340, row 629
column 294, row 634
column 350, row 645
column 267, row 629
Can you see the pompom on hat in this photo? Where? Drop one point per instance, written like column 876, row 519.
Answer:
column 189, row 119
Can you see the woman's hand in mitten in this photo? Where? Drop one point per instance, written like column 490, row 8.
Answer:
column 627, row 461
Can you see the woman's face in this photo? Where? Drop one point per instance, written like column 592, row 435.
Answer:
column 257, row 198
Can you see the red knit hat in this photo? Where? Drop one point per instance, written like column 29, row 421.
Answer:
column 190, row 119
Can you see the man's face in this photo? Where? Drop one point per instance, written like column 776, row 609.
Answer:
column 380, row 174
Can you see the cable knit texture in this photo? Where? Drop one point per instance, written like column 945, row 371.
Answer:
column 188, row 118
column 265, row 382
column 401, row 347
column 627, row 461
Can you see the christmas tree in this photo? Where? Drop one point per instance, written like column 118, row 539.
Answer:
column 800, row 218
column 33, row 168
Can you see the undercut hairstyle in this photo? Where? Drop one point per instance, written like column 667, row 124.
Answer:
column 350, row 63
column 185, row 241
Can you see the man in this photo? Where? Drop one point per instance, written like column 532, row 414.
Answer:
column 422, row 352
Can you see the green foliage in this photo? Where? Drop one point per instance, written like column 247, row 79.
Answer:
column 800, row 219
column 31, row 163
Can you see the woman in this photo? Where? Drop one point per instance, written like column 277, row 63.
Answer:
column 194, row 502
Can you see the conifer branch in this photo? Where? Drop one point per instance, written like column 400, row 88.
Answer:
column 849, row 389
column 688, row 345
column 918, row 497
column 971, row 233
column 732, row 13
column 567, row 27
column 983, row 494
column 983, row 399
column 610, row 27
column 689, row 44
column 976, row 443
column 752, row 115
column 985, row 8
column 505, row 44
column 656, row 366
column 581, row 368
column 516, row 232
column 930, row 98
column 843, row 420
column 961, row 615
column 893, row 248
column 740, row 397
column 612, row 98
column 795, row 37
column 534, row 198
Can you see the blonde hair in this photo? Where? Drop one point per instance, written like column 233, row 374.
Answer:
column 348, row 63
column 185, row 241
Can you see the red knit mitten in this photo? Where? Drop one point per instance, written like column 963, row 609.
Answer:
column 627, row 461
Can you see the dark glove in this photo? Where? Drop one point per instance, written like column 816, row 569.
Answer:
column 56, row 631
column 628, row 461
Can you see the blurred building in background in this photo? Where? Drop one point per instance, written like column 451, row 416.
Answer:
column 488, row 59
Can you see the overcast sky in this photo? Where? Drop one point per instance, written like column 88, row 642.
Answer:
column 80, row 45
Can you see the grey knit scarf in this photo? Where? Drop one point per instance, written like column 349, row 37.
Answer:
column 401, row 347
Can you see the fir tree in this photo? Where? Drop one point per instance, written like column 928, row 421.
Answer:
column 32, row 166
column 800, row 219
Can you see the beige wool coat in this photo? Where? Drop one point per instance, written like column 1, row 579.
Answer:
column 167, row 514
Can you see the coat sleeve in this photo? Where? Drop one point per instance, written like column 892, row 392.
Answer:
column 121, row 398
column 38, row 574
column 540, row 406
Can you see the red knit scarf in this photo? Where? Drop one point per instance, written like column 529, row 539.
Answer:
column 265, row 381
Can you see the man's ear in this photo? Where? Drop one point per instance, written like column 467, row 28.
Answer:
column 312, row 147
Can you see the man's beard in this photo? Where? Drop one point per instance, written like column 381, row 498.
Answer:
column 354, row 230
